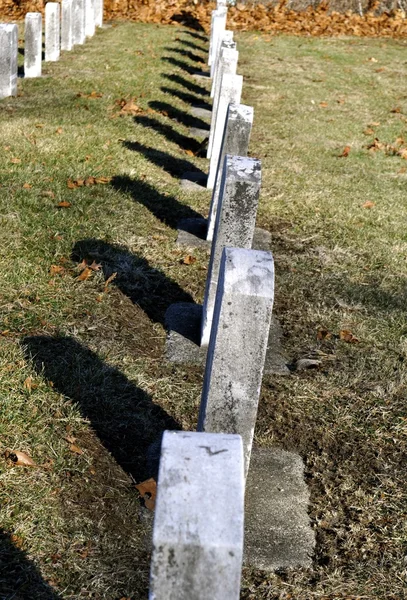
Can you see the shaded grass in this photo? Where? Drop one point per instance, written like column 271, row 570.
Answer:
column 81, row 360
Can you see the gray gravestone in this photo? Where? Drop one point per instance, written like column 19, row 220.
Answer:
column 238, row 345
column 98, row 13
column 78, row 21
column 226, row 41
column 33, row 45
column 197, row 536
column 235, row 223
column 230, row 93
column 52, row 31
column 66, row 25
column 227, row 66
column 8, row 60
column 236, row 137
column 89, row 18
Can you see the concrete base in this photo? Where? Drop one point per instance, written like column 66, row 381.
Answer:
column 183, row 322
column 194, row 181
column 199, row 133
column 201, row 113
column 192, row 233
column 278, row 534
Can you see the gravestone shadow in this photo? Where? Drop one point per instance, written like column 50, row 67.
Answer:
column 185, row 97
column 174, row 166
column 195, row 88
column 144, row 285
column 188, row 20
column 166, row 208
column 181, row 64
column 178, row 115
column 187, row 53
column 197, row 36
column 124, row 417
column 192, row 45
column 19, row 577
column 183, row 141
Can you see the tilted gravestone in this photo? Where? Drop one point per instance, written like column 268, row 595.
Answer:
column 230, row 93
column 66, row 25
column 227, row 66
column 238, row 344
column 52, row 31
column 225, row 41
column 235, row 223
column 8, row 60
column 235, row 141
column 33, row 45
column 197, row 536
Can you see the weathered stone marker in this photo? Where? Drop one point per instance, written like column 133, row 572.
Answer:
column 8, row 60
column 227, row 66
column 52, row 31
column 235, row 141
column 33, row 45
column 198, row 536
column 230, row 93
column 89, row 18
column 66, row 25
column 235, row 223
column 226, row 41
column 79, row 21
column 238, row 345
column 98, row 13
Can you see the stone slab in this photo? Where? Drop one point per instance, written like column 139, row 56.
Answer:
column 278, row 534
column 194, row 181
column 192, row 233
column 197, row 132
column 201, row 113
column 198, row 541
column 183, row 322
column 33, row 45
column 8, row 59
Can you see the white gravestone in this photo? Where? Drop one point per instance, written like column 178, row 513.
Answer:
column 236, row 137
column 238, row 345
column 227, row 66
column 66, row 25
column 8, row 60
column 78, row 21
column 33, row 45
column 89, row 18
column 230, row 93
column 226, row 41
column 198, row 522
column 52, row 32
column 98, row 13
column 218, row 27
column 235, row 223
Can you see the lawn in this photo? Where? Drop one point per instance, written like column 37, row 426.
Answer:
column 90, row 160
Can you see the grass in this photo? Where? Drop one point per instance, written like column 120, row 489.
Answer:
column 85, row 362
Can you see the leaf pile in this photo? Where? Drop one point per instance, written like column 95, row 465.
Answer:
column 272, row 19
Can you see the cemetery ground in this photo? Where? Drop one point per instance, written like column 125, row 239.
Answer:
column 91, row 155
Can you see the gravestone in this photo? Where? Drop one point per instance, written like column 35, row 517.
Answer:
column 99, row 13
column 235, row 223
column 236, row 137
column 230, row 93
column 218, row 27
column 33, row 45
column 227, row 66
column 197, row 536
column 89, row 18
column 226, row 41
column 8, row 60
column 66, row 25
column 238, row 345
column 78, row 21
column 52, row 31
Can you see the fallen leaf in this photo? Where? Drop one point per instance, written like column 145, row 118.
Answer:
column 109, row 280
column 21, row 459
column 188, row 260
column 379, row 70
column 56, row 270
column 345, row 152
column 189, row 152
column 347, row 336
column 323, row 334
column 82, row 265
column 16, row 161
column 369, row 204
column 369, row 131
column 27, row 186
column 86, row 273
column 59, row 130
column 323, row 104
column 75, row 449
column 64, row 204
column 95, row 266
column 70, row 439
column 29, row 385
column 17, row 541
column 148, row 490
column 396, row 110
column 374, row 124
